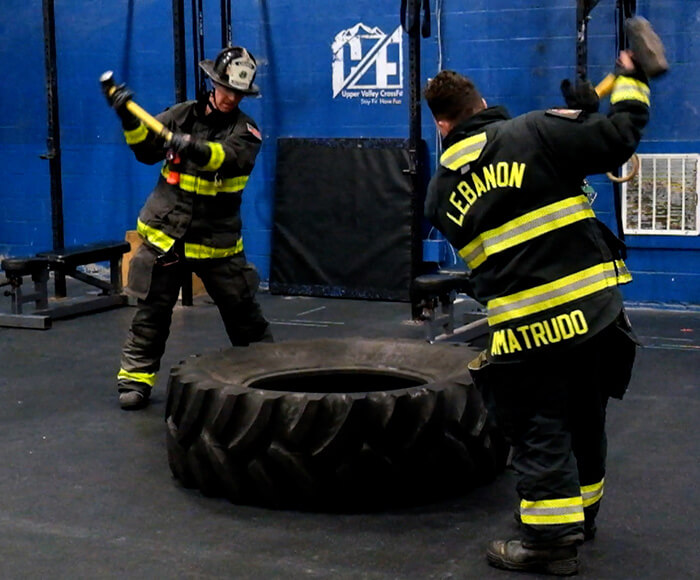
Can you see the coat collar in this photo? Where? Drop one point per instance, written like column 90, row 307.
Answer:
column 475, row 124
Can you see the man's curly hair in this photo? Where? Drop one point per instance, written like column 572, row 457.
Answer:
column 452, row 97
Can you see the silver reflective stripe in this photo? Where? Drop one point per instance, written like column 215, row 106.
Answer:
column 552, row 511
column 201, row 186
column 556, row 293
column 526, row 227
column 464, row 151
column 592, row 493
column 623, row 274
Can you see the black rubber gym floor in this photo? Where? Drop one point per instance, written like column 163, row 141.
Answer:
column 86, row 491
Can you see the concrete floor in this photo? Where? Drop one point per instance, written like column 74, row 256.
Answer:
column 86, row 491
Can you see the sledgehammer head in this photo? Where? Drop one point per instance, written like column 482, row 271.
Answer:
column 646, row 46
column 107, row 81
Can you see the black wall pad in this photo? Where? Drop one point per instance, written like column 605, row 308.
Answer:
column 345, row 219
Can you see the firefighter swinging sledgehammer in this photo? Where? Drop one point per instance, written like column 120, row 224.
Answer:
column 548, row 272
column 191, row 221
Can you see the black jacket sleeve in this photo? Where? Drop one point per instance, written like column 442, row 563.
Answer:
column 151, row 148
column 241, row 147
column 595, row 143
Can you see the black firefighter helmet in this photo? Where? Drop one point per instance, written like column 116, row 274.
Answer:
column 233, row 68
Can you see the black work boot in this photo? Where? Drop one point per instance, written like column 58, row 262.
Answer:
column 589, row 527
column 132, row 400
column 557, row 559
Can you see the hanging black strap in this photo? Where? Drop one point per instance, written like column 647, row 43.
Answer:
column 198, row 46
column 403, row 14
column 408, row 20
column 226, row 26
column 617, row 199
column 590, row 5
column 583, row 12
column 624, row 9
column 425, row 30
column 179, row 56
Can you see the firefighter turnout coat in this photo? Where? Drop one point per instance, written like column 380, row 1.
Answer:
column 198, row 205
column 508, row 197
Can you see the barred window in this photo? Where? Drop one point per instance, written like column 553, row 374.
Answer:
column 662, row 199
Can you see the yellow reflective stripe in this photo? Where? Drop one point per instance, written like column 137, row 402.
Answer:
column 629, row 89
column 195, row 251
column 217, row 157
column 201, row 252
column 623, row 274
column 592, row 493
column 137, row 135
column 155, row 237
column 554, row 519
column 552, row 511
column 200, row 186
column 147, row 378
column 463, row 152
column 526, row 227
column 552, row 294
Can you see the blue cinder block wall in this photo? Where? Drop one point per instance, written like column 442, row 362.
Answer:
column 516, row 50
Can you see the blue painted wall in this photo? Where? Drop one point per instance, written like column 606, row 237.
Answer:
column 516, row 50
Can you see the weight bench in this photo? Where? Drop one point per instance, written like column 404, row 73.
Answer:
column 15, row 269
column 436, row 295
column 63, row 262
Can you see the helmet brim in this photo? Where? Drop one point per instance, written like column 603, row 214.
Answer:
column 208, row 67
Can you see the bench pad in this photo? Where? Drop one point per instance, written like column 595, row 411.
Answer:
column 24, row 266
column 87, row 253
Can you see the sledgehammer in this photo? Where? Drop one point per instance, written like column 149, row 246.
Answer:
column 647, row 49
column 108, row 87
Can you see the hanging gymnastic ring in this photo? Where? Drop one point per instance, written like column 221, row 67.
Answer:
column 635, row 169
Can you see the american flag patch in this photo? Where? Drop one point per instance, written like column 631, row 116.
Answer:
column 254, row 131
column 564, row 113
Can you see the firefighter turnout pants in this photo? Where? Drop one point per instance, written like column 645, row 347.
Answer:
column 231, row 283
column 553, row 412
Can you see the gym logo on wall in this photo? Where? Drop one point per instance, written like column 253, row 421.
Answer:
column 368, row 65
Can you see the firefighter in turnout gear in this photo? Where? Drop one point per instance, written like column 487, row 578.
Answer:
column 191, row 221
column 507, row 195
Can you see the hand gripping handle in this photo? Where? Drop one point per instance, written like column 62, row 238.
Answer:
column 108, row 87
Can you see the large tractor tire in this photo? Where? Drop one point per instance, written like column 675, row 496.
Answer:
column 340, row 424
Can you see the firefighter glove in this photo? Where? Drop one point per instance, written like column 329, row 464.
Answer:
column 636, row 71
column 188, row 147
column 117, row 99
column 582, row 96
column 179, row 142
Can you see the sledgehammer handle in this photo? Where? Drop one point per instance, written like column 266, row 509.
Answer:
column 604, row 87
column 107, row 82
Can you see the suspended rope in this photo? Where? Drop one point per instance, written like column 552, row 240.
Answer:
column 198, row 46
column 226, row 26
column 583, row 15
column 624, row 9
column 179, row 56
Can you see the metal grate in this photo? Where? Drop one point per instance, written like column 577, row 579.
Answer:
column 662, row 199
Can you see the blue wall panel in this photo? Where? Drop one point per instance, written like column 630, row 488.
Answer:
column 516, row 50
